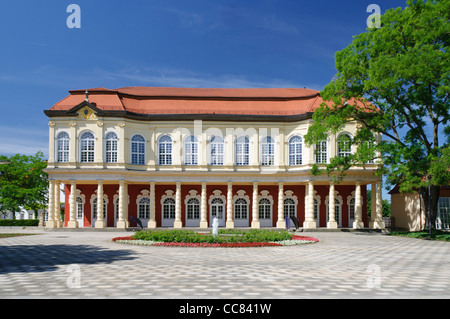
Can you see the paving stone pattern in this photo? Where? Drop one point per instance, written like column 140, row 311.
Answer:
column 341, row 265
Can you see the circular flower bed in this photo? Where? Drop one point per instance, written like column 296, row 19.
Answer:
column 226, row 238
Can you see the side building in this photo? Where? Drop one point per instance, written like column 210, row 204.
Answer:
column 178, row 157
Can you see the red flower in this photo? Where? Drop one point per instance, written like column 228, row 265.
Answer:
column 296, row 237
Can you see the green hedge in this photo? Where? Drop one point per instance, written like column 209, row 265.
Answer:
column 225, row 236
column 19, row 222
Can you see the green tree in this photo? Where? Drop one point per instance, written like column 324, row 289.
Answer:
column 23, row 182
column 394, row 81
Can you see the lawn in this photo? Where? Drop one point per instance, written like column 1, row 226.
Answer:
column 424, row 234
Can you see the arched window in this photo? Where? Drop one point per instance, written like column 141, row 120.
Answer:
column 111, row 148
column 321, row 152
column 316, row 209
column 137, row 150
column 351, row 209
column 267, row 151
column 87, row 147
column 144, row 208
column 80, row 208
column 191, row 150
column 344, row 145
column 193, row 208
column 168, row 208
column 62, row 147
column 165, row 150
column 265, row 208
column 242, row 151
column 240, row 209
column 216, row 150
column 290, row 207
column 295, row 151
column 217, row 208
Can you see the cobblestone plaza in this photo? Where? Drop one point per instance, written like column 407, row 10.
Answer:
column 87, row 264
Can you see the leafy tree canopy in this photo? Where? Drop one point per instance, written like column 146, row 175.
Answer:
column 23, row 182
column 394, row 81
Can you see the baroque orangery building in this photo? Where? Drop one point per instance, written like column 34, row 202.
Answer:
column 179, row 157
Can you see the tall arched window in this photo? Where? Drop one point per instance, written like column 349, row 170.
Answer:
column 216, row 150
column 168, row 208
column 240, row 209
column 137, row 150
column 267, row 151
column 295, row 151
column 144, row 208
column 321, row 152
column 165, row 150
column 191, row 150
column 80, row 208
column 62, row 147
column 264, row 208
column 87, row 147
column 111, row 148
column 344, row 145
column 351, row 209
column 193, row 208
column 242, row 151
column 289, row 207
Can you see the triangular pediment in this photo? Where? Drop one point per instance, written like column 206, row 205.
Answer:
column 86, row 111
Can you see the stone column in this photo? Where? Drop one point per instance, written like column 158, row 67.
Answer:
column 123, row 205
column 281, row 223
column 51, row 206
column 100, row 222
column 230, row 221
column 331, row 208
column 373, row 203
column 357, row 224
column 57, row 217
column 255, row 213
column 379, row 224
column 309, row 215
column 73, row 223
column 152, row 221
column 203, row 208
column 178, row 223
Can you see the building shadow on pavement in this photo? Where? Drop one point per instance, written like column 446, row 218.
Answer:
column 43, row 258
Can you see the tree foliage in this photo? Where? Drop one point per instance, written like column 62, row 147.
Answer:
column 394, row 81
column 23, row 182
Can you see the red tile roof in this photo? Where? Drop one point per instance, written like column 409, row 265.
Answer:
column 157, row 100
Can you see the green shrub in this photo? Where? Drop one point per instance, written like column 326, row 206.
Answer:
column 19, row 222
column 225, row 236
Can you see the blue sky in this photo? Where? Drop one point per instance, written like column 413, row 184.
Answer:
column 174, row 43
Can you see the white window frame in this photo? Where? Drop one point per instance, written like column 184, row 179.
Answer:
column 191, row 146
column 216, row 150
column 267, row 151
column 242, row 151
column 165, row 156
column 143, row 196
column 139, row 156
column 265, row 202
column 348, row 150
column 111, row 147
column 295, row 150
column 321, row 152
column 87, row 155
column 240, row 221
column 62, row 147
